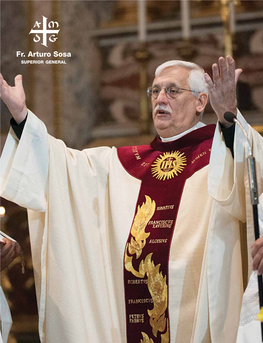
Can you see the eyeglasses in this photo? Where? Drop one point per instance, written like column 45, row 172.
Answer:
column 171, row 92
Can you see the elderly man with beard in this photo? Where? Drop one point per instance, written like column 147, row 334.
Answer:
column 140, row 243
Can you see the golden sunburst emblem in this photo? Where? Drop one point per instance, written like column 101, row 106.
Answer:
column 168, row 165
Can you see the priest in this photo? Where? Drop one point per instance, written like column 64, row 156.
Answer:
column 141, row 243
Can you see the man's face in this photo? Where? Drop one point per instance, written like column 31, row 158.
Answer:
column 173, row 116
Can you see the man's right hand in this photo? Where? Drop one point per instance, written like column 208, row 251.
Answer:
column 14, row 98
column 9, row 251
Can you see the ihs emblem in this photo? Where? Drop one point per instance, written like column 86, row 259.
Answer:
column 168, row 165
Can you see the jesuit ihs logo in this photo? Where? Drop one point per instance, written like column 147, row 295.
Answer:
column 168, row 165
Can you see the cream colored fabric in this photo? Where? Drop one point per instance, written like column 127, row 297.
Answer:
column 226, row 185
column 78, row 234
column 5, row 318
column 173, row 138
column 250, row 329
column 77, row 260
column 186, row 261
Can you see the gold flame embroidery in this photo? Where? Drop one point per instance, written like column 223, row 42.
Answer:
column 144, row 214
column 158, row 289
column 157, row 285
column 146, row 338
column 164, row 338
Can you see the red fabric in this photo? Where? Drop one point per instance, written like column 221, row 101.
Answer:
column 185, row 156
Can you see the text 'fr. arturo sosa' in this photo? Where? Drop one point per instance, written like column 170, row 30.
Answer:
column 43, row 54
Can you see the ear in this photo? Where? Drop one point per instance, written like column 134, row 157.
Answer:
column 201, row 102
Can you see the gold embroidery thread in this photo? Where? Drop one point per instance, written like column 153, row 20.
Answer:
column 143, row 215
column 169, row 165
column 156, row 282
column 146, row 338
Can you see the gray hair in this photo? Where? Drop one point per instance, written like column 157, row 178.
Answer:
column 196, row 78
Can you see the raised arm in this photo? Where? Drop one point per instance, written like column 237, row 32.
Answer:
column 14, row 98
column 222, row 87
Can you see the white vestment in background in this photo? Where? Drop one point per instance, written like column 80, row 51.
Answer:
column 81, row 206
column 5, row 318
column 250, row 329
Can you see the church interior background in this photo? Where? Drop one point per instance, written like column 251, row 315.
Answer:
column 97, row 97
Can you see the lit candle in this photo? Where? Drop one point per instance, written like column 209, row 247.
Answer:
column 142, row 20
column 2, row 211
column 185, row 18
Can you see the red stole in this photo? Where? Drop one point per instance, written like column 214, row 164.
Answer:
column 163, row 169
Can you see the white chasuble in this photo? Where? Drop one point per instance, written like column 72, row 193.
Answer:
column 81, row 206
column 155, row 275
column 250, row 327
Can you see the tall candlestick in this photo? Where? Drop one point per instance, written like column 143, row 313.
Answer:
column 225, row 15
column 232, row 17
column 142, row 20
column 185, row 18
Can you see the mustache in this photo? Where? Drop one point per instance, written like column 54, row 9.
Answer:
column 162, row 108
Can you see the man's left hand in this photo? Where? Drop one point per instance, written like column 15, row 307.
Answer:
column 257, row 255
column 222, row 87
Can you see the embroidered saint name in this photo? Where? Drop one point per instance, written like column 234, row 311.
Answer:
column 136, row 153
column 167, row 207
column 136, row 318
column 199, row 156
column 168, row 165
column 137, row 281
column 140, row 301
column 160, row 240
column 161, row 224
